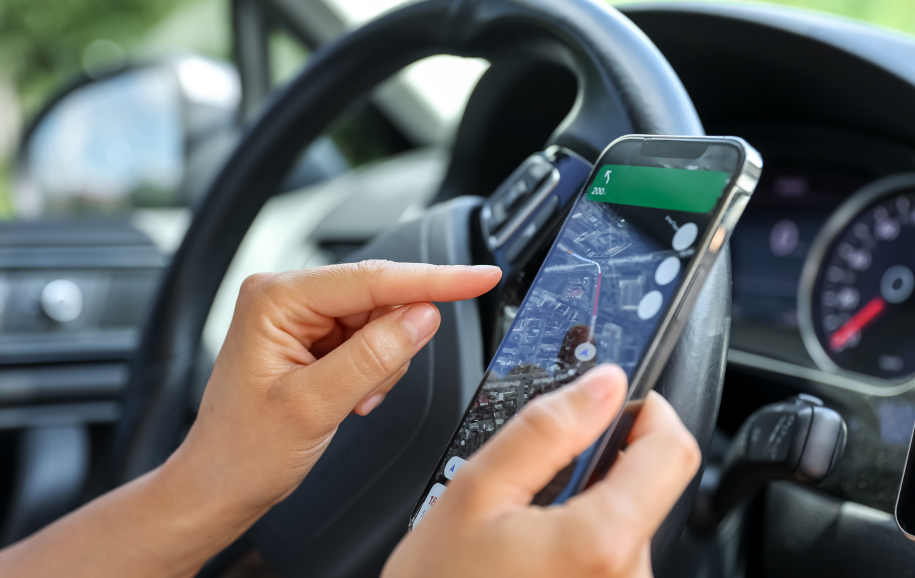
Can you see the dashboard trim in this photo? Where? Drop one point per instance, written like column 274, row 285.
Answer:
column 768, row 364
column 102, row 345
column 62, row 382
column 137, row 257
column 59, row 415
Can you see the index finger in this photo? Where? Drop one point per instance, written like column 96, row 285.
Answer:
column 347, row 289
column 649, row 476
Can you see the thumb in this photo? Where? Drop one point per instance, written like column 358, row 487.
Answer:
column 375, row 353
column 545, row 437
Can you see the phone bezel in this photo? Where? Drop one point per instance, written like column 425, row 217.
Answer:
column 724, row 218
column 902, row 489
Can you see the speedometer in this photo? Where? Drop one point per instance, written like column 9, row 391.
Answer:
column 856, row 307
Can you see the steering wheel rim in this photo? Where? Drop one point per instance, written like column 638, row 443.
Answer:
column 625, row 85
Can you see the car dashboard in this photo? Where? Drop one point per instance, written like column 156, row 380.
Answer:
column 828, row 105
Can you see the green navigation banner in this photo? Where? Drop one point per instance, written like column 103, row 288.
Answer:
column 658, row 188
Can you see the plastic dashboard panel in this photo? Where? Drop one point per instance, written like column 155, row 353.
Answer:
column 746, row 64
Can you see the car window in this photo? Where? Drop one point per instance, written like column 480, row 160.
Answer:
column 102, row 142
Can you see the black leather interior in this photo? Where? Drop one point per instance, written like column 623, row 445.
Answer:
column 811, row 535
column 353, row 507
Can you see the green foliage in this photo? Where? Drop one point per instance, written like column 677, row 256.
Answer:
column 895, row 14
column 6, row 201
column 42, row 41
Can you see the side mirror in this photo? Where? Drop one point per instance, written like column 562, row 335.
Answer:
column 141, row 137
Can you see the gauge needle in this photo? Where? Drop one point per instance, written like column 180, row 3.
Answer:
column 859, row 321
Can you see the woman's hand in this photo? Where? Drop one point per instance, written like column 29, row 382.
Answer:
column 305, row 349
column 483, row 524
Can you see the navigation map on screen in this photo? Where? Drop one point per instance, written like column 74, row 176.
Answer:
column 597, row 298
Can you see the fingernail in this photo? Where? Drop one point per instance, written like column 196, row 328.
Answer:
column 420, row 320
column 371, row 403
column 605, row 383
column 486, row 268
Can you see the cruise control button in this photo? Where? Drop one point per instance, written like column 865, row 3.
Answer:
column 516, row 193
column 542, row 216
column 539, row 170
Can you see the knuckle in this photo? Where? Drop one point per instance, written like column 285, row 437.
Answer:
column 258, row 293
column 470, row 489
column 469, row 481
column 593, row 548
column 402, row 371
column 254, row 285
column 685, row 449
column 612, row 552
column 375, row 354
column 544, row 418
column 602, row 561
column 371, row 269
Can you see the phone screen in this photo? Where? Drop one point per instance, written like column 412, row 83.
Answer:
column 611, row 274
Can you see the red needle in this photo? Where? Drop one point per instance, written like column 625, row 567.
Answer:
column 859, row 321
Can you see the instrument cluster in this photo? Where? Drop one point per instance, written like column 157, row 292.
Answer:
column 829, row 255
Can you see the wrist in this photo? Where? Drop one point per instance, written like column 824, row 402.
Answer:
column 191, row 483
column 205, row 516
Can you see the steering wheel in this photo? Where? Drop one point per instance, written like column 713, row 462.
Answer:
column 353, row 507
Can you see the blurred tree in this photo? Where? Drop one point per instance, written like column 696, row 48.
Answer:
column 42, row 42
column 896, row 14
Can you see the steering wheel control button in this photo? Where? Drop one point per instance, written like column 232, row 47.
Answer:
column 434, row 494
column 685, row 237
column 650, row 305
column 516, row 192
column 585, row 352
column 549, row 207
column 511, row 206
column 667, row 270
column 453, row 466
column 62, row 300
column 517, row 189
column 538, row 170
column 897, row 284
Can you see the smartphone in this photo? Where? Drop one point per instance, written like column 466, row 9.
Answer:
column 617, row 286
column 905, row 501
